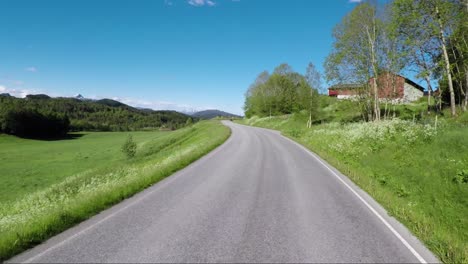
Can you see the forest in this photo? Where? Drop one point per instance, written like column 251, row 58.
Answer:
column 40, row 116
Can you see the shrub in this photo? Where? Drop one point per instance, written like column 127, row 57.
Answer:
column 129, row 147
column 461, row 177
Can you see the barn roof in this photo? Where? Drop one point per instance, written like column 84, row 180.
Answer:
column 417, row 86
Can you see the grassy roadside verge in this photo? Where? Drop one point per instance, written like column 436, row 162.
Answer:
column 40, row 215
column 419, row 174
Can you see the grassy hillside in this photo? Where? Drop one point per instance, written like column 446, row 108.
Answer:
column 52, row 185
column 417, row 172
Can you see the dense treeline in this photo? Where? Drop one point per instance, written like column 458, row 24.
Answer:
column 50, row 117
column 32, row 124
column 282, row 92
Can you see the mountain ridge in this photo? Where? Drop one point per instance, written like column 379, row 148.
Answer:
column 213, row 113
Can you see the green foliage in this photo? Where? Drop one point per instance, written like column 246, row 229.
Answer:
column 417, row 172
column 102, row 115
column 284, row 92
column 81, row 186
column 129, row 147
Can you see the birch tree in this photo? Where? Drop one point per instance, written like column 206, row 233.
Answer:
column 418, row 43
column 354, row 56
column 313, row 78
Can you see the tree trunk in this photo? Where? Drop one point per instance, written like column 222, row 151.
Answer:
column 429, row 91
column 465, row 103
column 453, row 108
column 371, row 39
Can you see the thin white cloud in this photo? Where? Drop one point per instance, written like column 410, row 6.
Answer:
column 355, row 1
column 201, row 2
column 16, row 92
column 31, row 69
column 168, row 2
column 155, row 105
column 159, row 105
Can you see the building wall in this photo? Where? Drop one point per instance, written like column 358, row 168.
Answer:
column 343, row 93
column 411, row 93
column 390, row 86
column 350, row 96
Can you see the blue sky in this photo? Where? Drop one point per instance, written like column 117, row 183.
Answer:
column 162, row 54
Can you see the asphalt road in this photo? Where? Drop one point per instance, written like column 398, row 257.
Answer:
column 257, row 198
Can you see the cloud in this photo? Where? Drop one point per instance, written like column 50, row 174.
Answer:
column 159, row 105
column 31, row 69
column 201, row 2
column 168, row 2
column 355, row 1
column 155, row 105
column 17, row 92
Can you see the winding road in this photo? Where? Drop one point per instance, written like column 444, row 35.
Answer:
column 259, row 197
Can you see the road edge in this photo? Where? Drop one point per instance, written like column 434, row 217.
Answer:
column 408, row 239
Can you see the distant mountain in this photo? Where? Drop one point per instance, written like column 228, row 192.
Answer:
column 37, row 96
column 94, row 115
column 149, row 110
column 212, row 113
column 5, row 95
column 110, row 102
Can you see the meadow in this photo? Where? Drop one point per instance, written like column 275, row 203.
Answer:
column 418, row 172
column 48, row 186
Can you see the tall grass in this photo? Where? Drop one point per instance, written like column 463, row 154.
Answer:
column 35, row 217
column 417, row 172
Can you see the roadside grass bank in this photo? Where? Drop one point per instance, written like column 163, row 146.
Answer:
column 415, row 171
column 34, row 217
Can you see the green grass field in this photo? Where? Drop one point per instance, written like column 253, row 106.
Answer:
column 30, row 165
column 48, row 186
column 419, row 174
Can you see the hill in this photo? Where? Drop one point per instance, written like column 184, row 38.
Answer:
column 209, row 114
column 89, row 115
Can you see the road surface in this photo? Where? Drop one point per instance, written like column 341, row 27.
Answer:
column 258, row 198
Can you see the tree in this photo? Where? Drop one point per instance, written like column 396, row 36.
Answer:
column 432, row 23
column 314, row 81
column 283, row 92
column 458, row 45
column 283, row 69
column 354, row 56
column 418, row 43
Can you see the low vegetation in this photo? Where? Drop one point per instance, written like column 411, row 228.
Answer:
column 64, row 182
column 416, row 171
